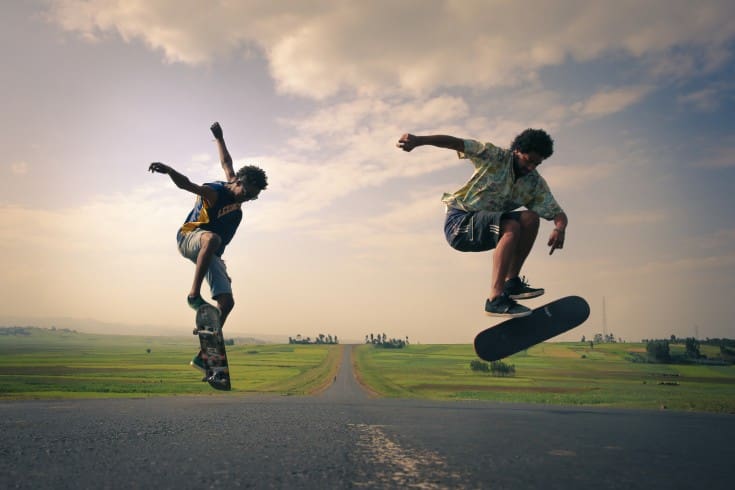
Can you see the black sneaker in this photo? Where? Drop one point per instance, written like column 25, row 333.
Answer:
column 504, row 306
column 520, row 289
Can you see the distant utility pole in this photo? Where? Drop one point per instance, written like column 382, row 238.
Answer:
column 604, row 319
column 696, row 332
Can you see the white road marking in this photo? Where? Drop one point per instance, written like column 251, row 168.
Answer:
column 401, row 467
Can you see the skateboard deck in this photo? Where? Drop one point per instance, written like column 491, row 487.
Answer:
column 212, row 344
column 518, row 334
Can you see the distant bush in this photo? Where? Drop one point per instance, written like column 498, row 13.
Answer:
column 727, row 353
column 499, row 368
column 692, row 348
column 15, row 330
column 659, row 351
column 479, row 366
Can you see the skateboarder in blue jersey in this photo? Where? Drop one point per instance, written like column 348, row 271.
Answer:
column 483, row 215
column 212, row 223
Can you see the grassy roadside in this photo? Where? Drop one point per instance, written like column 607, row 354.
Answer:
column 552, row 373
column 62, row 364
column 58, row 364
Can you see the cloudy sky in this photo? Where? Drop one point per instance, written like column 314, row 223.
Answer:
column 347, row 239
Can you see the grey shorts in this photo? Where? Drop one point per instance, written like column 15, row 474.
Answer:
column 474, row 231
column 216, row 276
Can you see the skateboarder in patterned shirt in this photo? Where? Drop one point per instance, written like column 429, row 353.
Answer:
column 483, row 215
column 212, row 223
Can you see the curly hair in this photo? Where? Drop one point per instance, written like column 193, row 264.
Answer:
column 253, row 175
column 534, row 140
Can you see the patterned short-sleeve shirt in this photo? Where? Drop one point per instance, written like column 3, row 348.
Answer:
column 493, row 186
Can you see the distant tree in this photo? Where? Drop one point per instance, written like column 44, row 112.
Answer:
column 659, row 350
column 499, row 368
column 476, row 365
column 583, row 339
column 598, row 338
column 692, row 348
column 727, row 353
column 148, row 350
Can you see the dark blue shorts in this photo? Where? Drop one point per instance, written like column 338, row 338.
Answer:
column 474, row 231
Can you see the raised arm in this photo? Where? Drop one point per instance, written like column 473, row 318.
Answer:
column 224, row 155
column 408, row 142
column 183, row 182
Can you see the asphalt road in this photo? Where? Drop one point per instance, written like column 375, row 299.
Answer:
column 343, row 438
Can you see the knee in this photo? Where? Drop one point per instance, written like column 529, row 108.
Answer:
column 510, row 229
column 529, row 220
column 211, row 239
column 226, row 303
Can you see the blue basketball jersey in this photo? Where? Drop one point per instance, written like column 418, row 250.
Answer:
column 223, row 218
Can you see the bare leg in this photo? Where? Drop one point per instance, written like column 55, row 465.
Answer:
column 210, row 243
column 529, row 224
column 510, row 231
column 225, row 303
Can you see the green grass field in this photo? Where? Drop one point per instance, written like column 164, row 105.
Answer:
column 554, row 373
column 62, row 364
column 58, row 364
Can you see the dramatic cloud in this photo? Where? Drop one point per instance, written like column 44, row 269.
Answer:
column 610, row 101
column 319, row 48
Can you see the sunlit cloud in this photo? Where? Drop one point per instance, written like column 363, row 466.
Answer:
column 611, row 101
column 357, row 151
column 96, row 257
column 575, row 176
column 319, row 48
column 704, row 100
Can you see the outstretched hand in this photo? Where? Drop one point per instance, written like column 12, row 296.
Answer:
column 216, row 131
column 158, row 167
column 407, row 142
